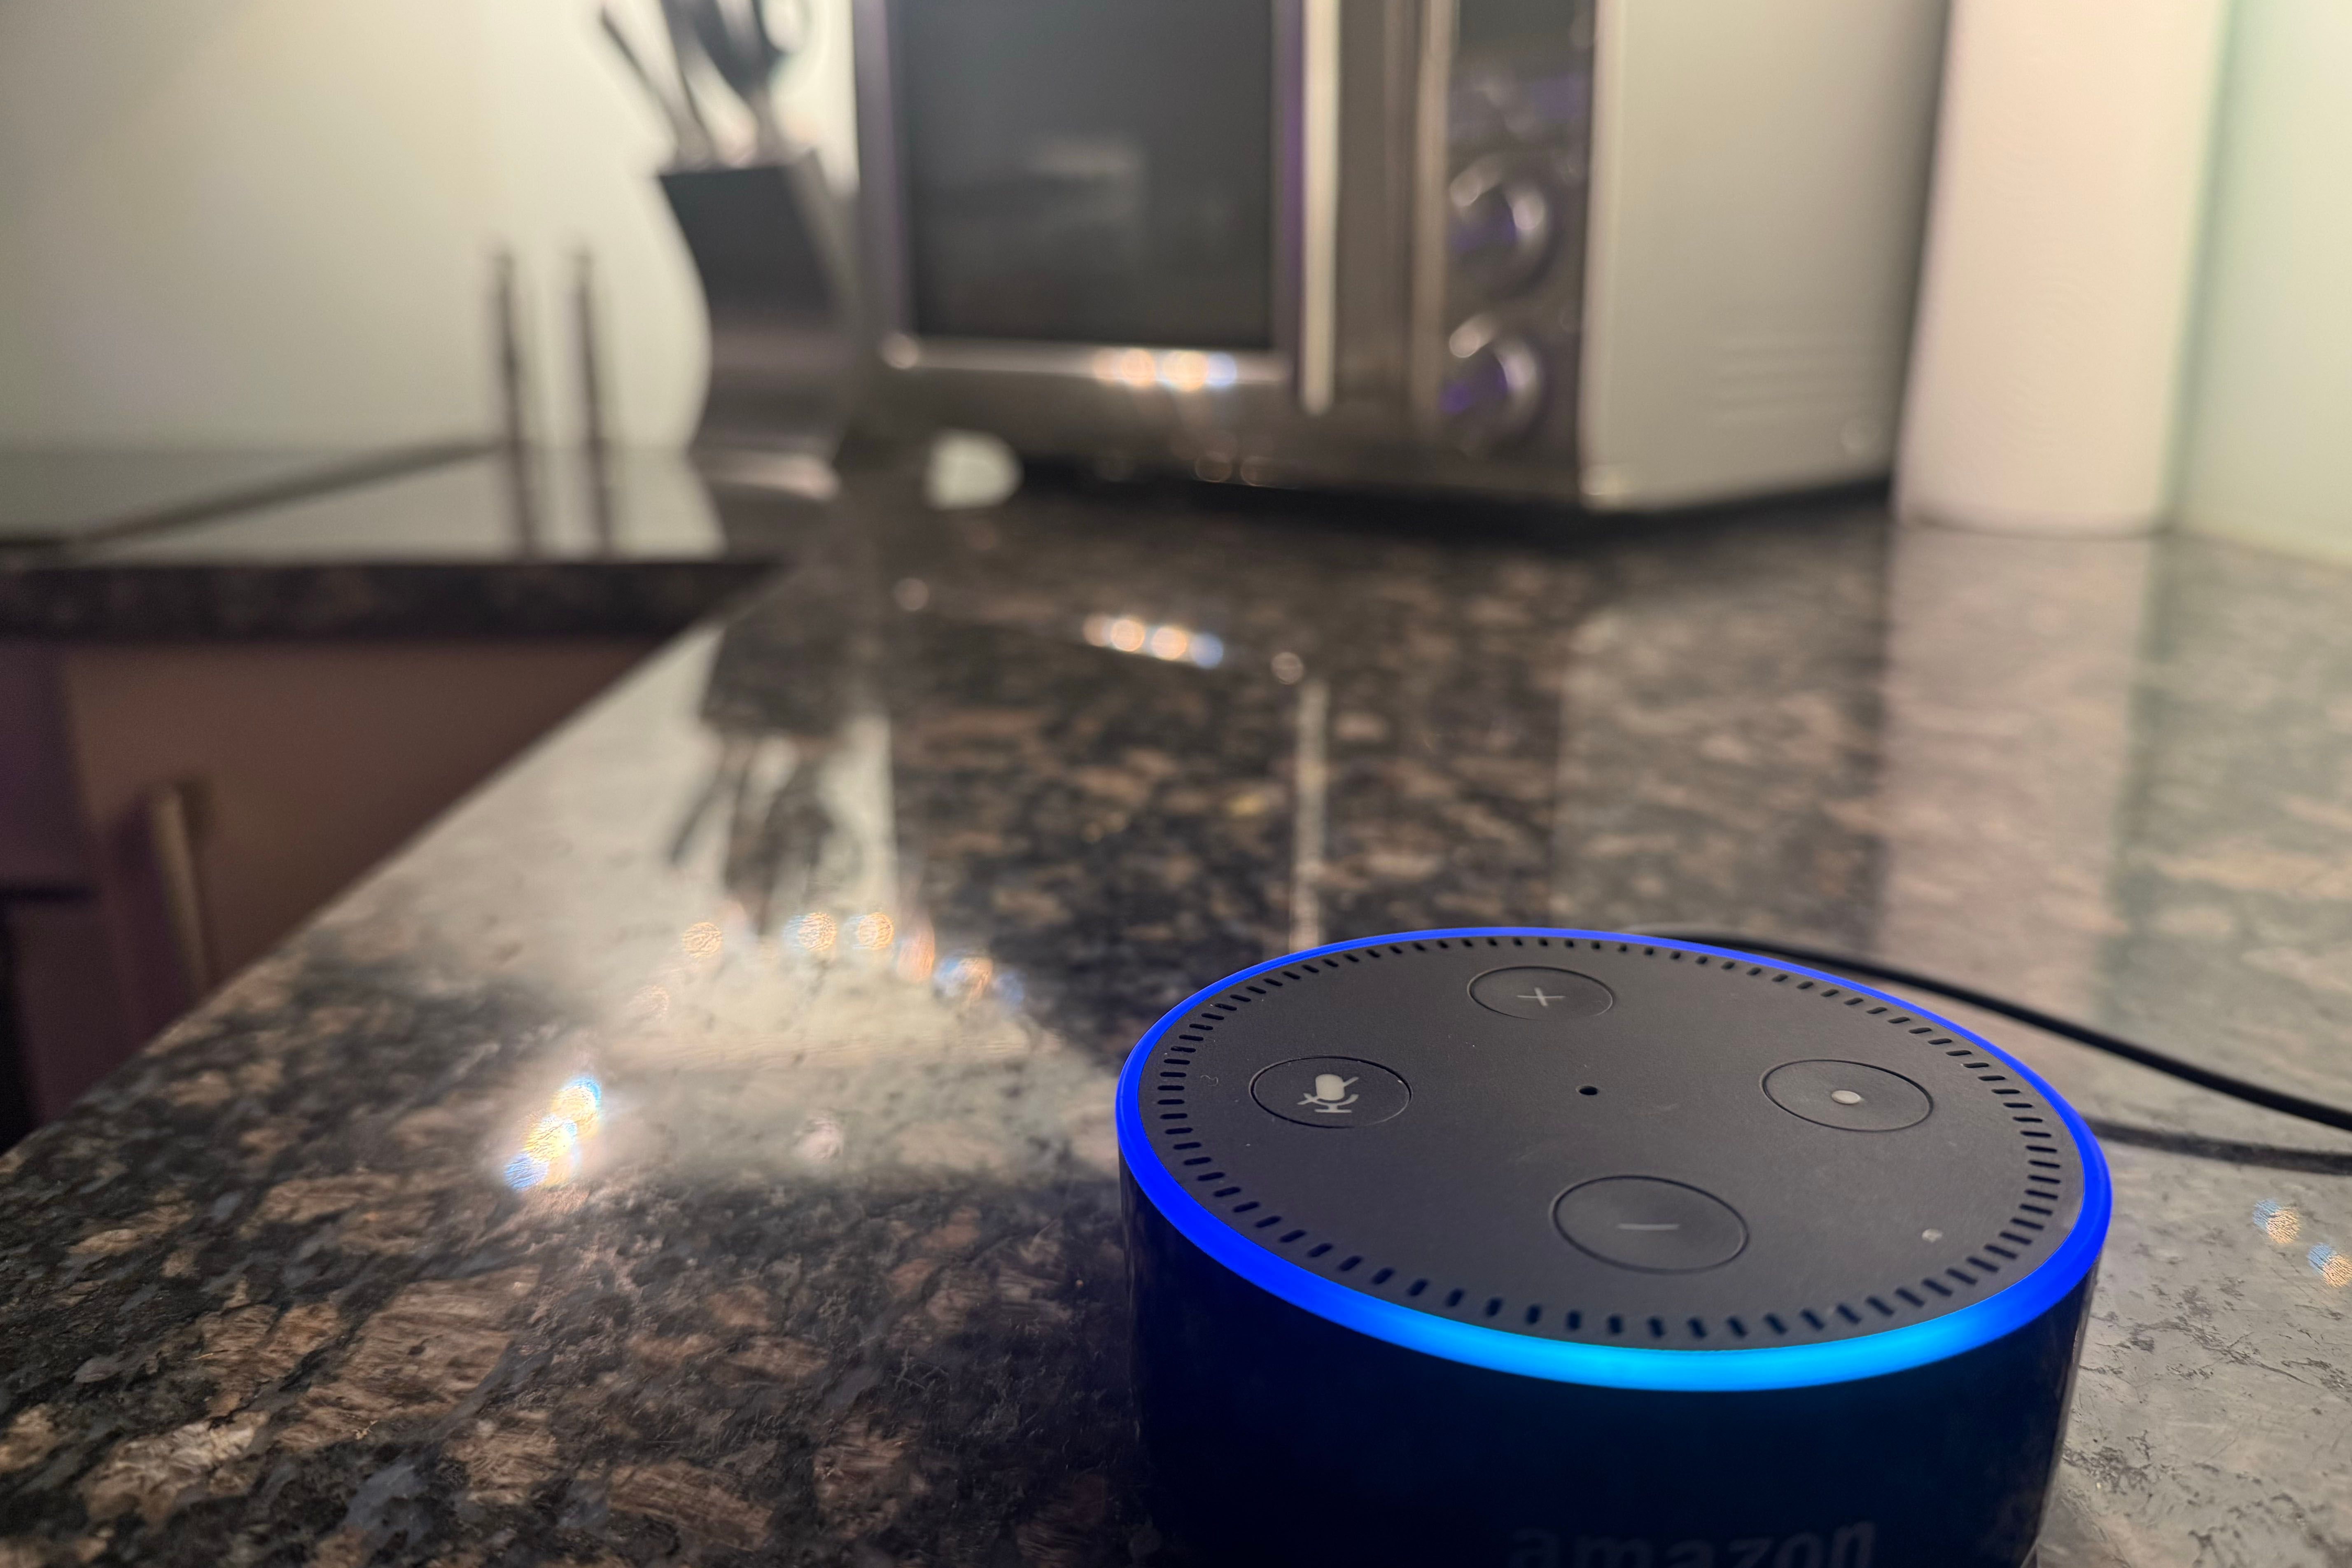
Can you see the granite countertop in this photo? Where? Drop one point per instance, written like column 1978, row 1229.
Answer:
column 453, row 540
column 849, row 908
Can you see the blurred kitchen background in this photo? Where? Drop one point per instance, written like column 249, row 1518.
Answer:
column 258, row 226
column 255, row 226
column 297, row 296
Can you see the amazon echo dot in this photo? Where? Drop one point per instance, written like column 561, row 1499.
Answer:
column 1566, row 1249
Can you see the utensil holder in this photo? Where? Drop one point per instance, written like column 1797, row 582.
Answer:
column 770, row 243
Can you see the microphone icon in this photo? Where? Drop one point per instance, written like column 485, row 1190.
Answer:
column 1330, row 1096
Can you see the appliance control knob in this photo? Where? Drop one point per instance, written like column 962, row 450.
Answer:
column 1494, row 386
column 1502, row 228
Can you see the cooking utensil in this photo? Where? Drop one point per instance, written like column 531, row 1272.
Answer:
column 747, row 42
column 683, row 49
column 690, row 136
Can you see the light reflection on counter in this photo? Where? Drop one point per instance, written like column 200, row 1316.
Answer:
column 820, row 1140
column 2331, row 1266
column 794, row 1012
column 816, row 931
column 815, row 1056
column 1167, row 642
column 964, row 978
column 2277, row 1221
column 552, row 1147
column 2283, row 1226
column 918, row 952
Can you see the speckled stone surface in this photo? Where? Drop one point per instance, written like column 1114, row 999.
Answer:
column 852, row 907
column 446, row 548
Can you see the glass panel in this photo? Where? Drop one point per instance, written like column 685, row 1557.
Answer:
column 1083, row 171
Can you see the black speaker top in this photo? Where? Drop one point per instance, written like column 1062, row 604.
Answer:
column 1611, row 1159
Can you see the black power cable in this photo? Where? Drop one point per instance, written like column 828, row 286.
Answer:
column 2082, row 1033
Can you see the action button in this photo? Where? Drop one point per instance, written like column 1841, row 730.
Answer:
column 1330, row 1092
column 1541, row 993
column 1643, row 1222
column 1849, row 1095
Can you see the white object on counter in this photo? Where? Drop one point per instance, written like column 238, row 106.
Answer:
column 2062, row 245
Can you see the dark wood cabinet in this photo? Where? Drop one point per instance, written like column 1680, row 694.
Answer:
column 170, row 811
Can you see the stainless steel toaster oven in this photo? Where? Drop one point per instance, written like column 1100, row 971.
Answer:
column 1635, row 253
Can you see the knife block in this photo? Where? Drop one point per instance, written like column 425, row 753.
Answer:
column 769, row 245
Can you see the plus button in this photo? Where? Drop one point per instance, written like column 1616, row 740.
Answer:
column 1541, row 992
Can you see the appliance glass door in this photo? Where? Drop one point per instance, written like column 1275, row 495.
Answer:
column 1089, row 171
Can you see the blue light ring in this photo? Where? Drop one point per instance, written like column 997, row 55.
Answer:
column 2008, row 1308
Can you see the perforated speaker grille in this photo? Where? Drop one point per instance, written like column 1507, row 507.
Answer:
column 1454, row 1205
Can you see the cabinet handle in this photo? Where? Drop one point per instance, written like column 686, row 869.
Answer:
column 171, row 811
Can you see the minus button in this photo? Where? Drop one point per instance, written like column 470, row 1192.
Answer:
column 1650, row 1223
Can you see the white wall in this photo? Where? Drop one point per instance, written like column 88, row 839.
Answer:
column 2267, row 443
column 237, row 223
